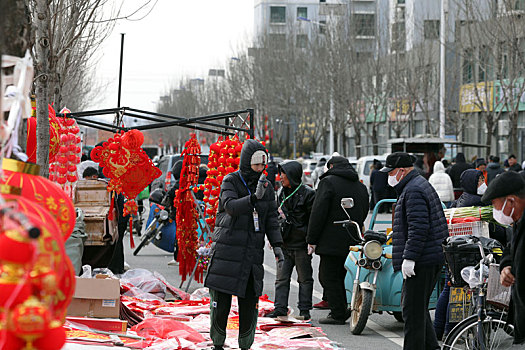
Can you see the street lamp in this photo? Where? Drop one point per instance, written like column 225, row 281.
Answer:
column 332, row 109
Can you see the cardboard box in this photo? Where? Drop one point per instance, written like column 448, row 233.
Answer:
column 95, row 297
column 112, row 325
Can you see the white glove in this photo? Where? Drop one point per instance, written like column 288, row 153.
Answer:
column 261, row 187
column 311, row 249
column 407, row 268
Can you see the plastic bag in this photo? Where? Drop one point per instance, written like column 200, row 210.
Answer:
column 145, row 281
column 166, row 328
column 200, row 294
column 471, row 275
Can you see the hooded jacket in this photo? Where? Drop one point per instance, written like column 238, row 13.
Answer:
column 296, row 204
column 419, row 223
column 493, row 170
column 470, row 196
column 442, row 183
column 457, row 169
column 237, row 251
column 339, row 182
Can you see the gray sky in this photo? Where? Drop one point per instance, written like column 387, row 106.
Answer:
column 178, row 38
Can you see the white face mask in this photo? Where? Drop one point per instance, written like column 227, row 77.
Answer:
column 392, row 179
column 502, row 218
column 482, row 189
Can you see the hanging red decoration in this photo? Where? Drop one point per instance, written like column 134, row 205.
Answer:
column 127, row 165
column 42, row 191
column 187, row 215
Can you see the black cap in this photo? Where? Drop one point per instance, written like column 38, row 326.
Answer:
column 507, row 183
column 398, row 160
column 337, row 161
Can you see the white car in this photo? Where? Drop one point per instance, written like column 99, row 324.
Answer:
column 363, row 168
column 308, row 166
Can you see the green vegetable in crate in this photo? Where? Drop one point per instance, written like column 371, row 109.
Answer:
column 483, row 213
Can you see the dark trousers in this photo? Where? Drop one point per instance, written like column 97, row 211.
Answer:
column 303, row 264
column 332, row 277
column 415, row 296
column 220, row 304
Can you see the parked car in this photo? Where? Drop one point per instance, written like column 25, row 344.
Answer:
column 165, row 164
column 363, row 168
column 308, row 166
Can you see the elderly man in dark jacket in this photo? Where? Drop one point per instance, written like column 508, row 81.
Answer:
column 507, row 193
column 294, row 202
column 331, row 241
column 246, row 213
column 419, row 228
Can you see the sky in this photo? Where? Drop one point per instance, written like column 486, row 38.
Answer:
column 178, row 38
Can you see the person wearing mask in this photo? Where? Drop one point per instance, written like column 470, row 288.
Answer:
column 442, row 183
column 455, row 173
column 493, row 169
column 507, row 194
column 379, row 186
column 294, row 201
column 481, row 165
column 513, row 163
column 419, row 227
column 330, row 241
column 246, row 214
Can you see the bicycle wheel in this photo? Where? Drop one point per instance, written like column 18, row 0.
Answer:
column 496, row 333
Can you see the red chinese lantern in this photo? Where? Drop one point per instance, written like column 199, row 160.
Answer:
column 42, row 191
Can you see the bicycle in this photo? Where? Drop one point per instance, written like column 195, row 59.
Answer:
column 487, row 329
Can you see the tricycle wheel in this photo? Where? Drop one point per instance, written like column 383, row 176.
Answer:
column 398, row 315
column 362, row 308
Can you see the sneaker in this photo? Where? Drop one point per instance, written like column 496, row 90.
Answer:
column 330, row 320
column 305, row 314
column 276, row 313
column 321, row 305
column 173, row 262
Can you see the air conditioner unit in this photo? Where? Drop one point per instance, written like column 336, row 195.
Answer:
column 503, row 146
column 503, row 127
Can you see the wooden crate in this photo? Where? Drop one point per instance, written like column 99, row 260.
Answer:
column 92, row 193
column 100, row 230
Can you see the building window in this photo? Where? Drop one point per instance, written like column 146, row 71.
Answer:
column 468, row 66
column 431, row 29
column 364, row 24
column 278, row 41
column 301, row 41
column 277, row 14
column 322, row 0
column 400, row 2
column 322, row 27
column 398, row 36
column 302, row 12
column 484, row 72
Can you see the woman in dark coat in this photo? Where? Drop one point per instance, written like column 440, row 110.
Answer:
column 247, row 212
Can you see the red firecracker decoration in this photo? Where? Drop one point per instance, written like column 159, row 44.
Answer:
column 187, row 215
column 127, row 165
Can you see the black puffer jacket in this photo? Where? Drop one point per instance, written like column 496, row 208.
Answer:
column 419, row 223
column 297, row 208
column 469, row 184
column 457, row 169
column 493, row 170
column 513, row 256
column 339, row 182
column 237, row 250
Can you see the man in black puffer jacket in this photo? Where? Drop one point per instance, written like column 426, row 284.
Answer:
column 331, row 241
column 295, row 201
column 246, row 213
column 419, row 228
column 455, row 173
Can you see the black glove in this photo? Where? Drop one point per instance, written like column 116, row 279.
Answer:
column 279, row 256
column 261, row 187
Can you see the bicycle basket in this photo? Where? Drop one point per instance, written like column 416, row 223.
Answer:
column 459, row 253
column 497, row 294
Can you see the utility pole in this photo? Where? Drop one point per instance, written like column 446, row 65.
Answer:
column 442, row 39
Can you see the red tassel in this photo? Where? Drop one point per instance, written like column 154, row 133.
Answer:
column 131, row 242
column 111, row 206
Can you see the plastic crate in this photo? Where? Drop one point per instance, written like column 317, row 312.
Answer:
column 475, row 228
column 496, row 293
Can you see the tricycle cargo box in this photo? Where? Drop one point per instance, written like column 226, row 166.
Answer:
column 100, row 230
column 92, row 192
